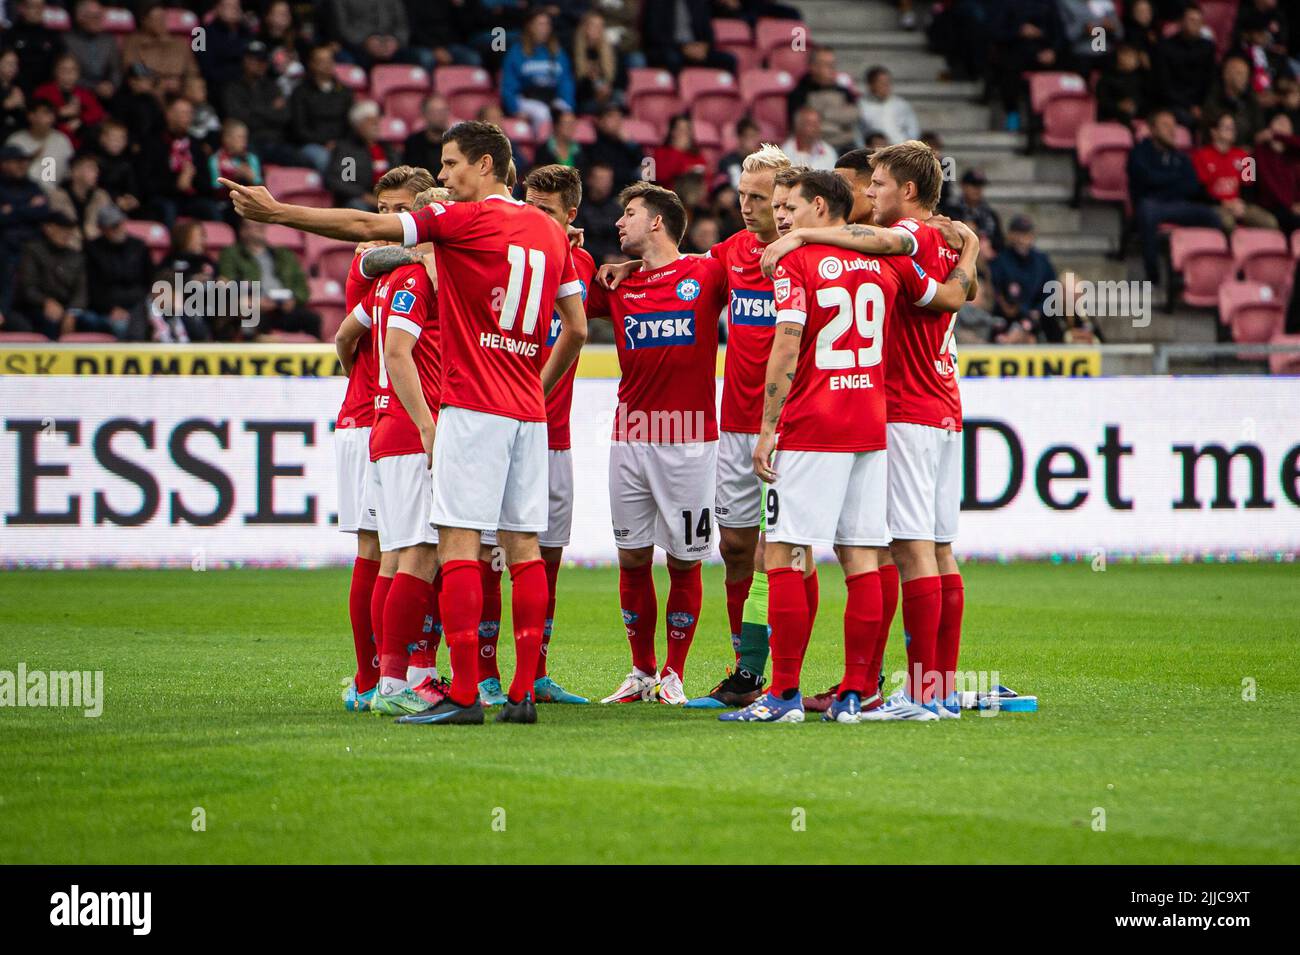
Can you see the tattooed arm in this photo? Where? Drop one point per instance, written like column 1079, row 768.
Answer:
column 383, row 259
column 781, row 364
column 953, row 293
column 856, row 238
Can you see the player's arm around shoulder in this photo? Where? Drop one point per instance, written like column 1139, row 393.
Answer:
column 404, row 325
column 868, row 240
column 955, row 290
column 782, row 363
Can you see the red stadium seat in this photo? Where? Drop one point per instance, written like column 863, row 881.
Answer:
column 290, row 179
column 794, row 62
column 458, row 79
column 316, row 198
column 766, row 94
column 87, row 338
column 351, row 76
column 281, row 236
column 584, row 131
column 519, row 131
column 326, row 299
column 1064, row 103
column 648, row 79
column 331, row 317
column 1220, row 18
column 467, row 103
column 747, row 57
column 771, row 33
column 1284, row 363
column 293, row 338
column 727, row 31
column 1044, row 87
column 390, row 78
column 641, row 132
column 1251, row 310
column 392, row 129
column 218, row 236
column 1261, row 255
column 711, row 95
column 56, row 18
column 14, row 338
column 1103, row 150
column 336, row 261
column 180, row 20
column 658, row 110
column 1295, row 244
column 1201, row 257
column 317, row 247
column 118, row 20
column 707, row 135
column 152, row 234
column 1182, row 135
column 406, row 104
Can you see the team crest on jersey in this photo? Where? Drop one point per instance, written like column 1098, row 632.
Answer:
column 781, row 290
column 403, row 302
column 830, row 268
column 688, row 290
column 658, row 329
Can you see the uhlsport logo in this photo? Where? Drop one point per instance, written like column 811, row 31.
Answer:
column 830, row 267
column 688, row 290
column 659, row 329
column 74, row 907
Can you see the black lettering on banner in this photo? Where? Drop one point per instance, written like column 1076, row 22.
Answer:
column 268, row 471
column 970, row 497
column 1291, row 475
column 114, row 463
column 1222, row 457
column 1111, row 450
column 203, row 470
column 30, row 470
column 1044, row 475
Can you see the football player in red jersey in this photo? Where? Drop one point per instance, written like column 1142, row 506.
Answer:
column 822, row 448
column 372, row 573
column 557, row 191
column 663, row 459
column 512, row 266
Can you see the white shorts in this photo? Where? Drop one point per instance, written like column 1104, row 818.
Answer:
column 399, row 494
column 739, row 501
column 489, row 472
column 663, row 494
column 824, row 498
column 352, row 461
column 924, row 483
column 559, row 514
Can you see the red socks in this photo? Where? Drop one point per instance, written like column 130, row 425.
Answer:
column 378, row 598
column 403, row 620
column 737, row 593
column 364, row 572
column 861, row 624
column 489, row 626
column 922, row 604
column 425, row 654
column 528, row 596
column 685, row 596
column 949, row 642
column 552, row 576
column 812, row 593
column 787, row 615
column 462, row 608
column 888, row 607
column 636, row 591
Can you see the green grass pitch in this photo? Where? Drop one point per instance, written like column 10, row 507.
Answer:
column 222, row 692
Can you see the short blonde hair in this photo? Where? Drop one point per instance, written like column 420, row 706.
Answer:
column 767, row 156
column 414, row 179
column 433, row 194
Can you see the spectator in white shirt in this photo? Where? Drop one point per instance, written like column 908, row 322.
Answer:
column 806, row 147
column 883, row 112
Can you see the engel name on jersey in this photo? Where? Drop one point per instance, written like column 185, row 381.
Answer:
column 560, row 401
column 502, row 265
column 404, row 304
column 921, row 351
column 843, row 300
column 666, row 331
column 358, row 408
column 751, row 319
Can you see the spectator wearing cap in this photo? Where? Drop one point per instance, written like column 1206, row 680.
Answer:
column 1233, row 95
column 423, row 148
column 972, row 208
column 1277, row 165
column 1184, row 68
column 820, row 88
column 1220, row 166
column 358, row 160
column 255, row 99
column 678, row 154
column 96, row 51
column 119, row 276
column 283, row 282
column 35, row 43
column 1124, row 92
column 13, row 101
column 23, row 205
column 169, row 58
column 679, row 33
column 318, row 109
column 50, row 287
column 375, row 31
column 614, row 149
column 1020, row 274
column 136, row 104
column 77, row 108
column 176, row 170
column 537, row 76
column 1163, row 187
column 117, row 169
column 805, row 147
column 48, row 148
column 81, row 196
column 885, row 112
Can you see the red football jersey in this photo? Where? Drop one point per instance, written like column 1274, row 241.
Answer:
column 560, row 400
column 751, row 318
column 404, row 304
column 921, row 355
column 842, row 299
column 358, row 408
column 502, row 265
column 666, row 330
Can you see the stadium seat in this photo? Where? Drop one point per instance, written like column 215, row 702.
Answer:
column 467, row 103
column 316, row 198
column 326, row 299
column 728, row 32
column 1295, row 244
column 118, row 20
column 407, row 105
column 1261, row 255
column 710, row 95
column 584, row 131
column 1220, row 17
column 458, row 79
column 1251, row 310
column 351, row 76
column 641, row 132
column 291, row 179
column 1182, row 136
column 658, row 110
column 1284, row 363
column 652, row 97
column 390, row 78
column 293, row 338
column 152, row 234
column 1063, row 103
column 317, row 247
column 180, row 21
column 1102, row 149
column 56, row 18
column 1201, row 257
column 281, row 236
column 87, row 338
column 794, row 62
column 15, row 338
column 771, row 33
column 392, row 129
column 766, row 95
column 218, row 236
column 648, row 79
column 519, row 131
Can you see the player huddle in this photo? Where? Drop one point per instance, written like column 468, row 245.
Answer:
column 839, row 427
